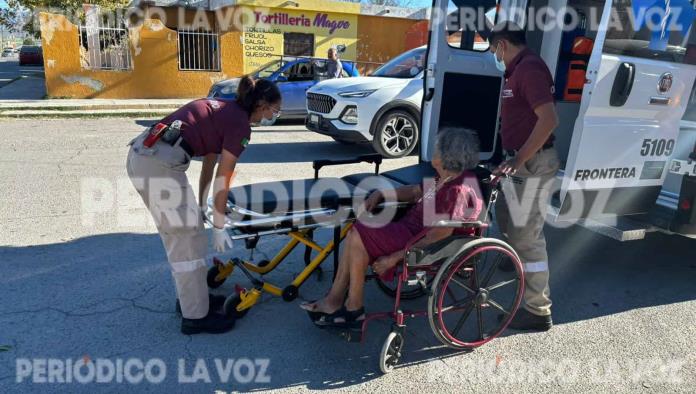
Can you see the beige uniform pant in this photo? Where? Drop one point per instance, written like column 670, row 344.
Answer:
column 521, row 214
column 160, row 178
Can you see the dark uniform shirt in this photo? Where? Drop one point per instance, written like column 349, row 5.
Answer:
column 210, row 125
column 528, row 84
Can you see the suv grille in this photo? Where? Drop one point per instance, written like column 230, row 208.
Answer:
column 320, row 103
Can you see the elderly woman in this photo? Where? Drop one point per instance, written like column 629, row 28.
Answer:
column 455, row 195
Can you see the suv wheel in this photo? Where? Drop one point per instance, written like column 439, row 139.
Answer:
column 396, row 134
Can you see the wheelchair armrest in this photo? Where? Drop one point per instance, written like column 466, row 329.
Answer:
column 376, row 159
column 459, row 223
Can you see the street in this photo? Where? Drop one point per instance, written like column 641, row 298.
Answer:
column 20, row 83
column 79, row 285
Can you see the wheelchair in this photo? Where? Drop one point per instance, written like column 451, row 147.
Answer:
column 470, row 299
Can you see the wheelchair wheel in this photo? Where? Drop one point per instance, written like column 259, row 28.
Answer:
column 230, row 307
column 407, row 292
column 212, row 274
column 391, row 352
column 472, row 301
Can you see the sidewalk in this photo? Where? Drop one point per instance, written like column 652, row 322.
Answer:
column 88, row 107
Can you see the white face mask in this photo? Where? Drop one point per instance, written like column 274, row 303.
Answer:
column 268, row 122
column 499, row 64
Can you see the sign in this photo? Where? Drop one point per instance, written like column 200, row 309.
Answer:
column 263, row 41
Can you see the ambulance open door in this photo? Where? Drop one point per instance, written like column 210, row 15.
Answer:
column 461, row 84
column 638, row 81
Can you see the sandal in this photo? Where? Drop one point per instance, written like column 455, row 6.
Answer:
column 314, row 316
column 343, row 318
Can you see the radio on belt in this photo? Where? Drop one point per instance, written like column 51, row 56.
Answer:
column 155, row 133
column 161, row 130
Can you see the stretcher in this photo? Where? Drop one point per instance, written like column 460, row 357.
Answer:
column 470, row 299
column 296, row 209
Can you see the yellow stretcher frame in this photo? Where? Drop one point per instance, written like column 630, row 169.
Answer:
column 250, row 297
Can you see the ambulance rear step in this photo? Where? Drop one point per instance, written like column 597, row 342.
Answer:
column 619, row 228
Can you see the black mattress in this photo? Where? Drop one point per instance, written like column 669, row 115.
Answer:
column 295, row 195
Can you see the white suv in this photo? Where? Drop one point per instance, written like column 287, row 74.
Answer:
column 383, row 108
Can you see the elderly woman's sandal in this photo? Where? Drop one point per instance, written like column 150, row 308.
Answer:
column 343, row 318
column 313, row 315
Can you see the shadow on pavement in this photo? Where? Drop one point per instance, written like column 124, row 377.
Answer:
column 112, row 296
column 593, row 276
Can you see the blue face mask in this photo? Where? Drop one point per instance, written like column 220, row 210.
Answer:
column 499, row 64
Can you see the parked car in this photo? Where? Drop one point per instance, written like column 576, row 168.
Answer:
column 293, row 76
column 383, row 108
column 8, row 52
column 30, row 55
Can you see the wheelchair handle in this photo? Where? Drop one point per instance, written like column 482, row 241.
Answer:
column 375, row 159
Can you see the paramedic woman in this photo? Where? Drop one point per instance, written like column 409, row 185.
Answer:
column 218, row 131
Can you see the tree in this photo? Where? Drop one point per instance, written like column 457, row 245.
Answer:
column 28, row 41
column 19, row 14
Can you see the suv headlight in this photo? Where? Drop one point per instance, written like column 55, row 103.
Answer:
column 350, row 115
column 357, row 93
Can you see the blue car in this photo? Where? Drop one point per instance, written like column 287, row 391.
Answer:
column 293, row 76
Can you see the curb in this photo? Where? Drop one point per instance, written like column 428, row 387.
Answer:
column 126, row 113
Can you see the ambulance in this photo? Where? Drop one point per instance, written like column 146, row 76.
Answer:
column 624, row 74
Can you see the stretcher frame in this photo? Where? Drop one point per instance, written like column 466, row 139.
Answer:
column 340, row 220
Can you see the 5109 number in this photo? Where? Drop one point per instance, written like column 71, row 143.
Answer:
column 657, row 147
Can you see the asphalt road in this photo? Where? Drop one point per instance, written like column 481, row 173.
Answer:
column 76, row 287
column 20, row 83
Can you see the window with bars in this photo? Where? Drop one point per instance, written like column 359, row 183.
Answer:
column 199, row 50
column 105, row 46
column 298, row 44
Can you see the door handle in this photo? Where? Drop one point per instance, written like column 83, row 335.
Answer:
column 623, row 83
column 429, row 94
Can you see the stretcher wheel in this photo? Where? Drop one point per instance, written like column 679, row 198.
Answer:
column 472, row 300
column 407, row 292
column 391, row 352
column 212, row 274
column 263, row 263
column 230, row 307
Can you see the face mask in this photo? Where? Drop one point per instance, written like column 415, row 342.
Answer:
column 499, row 64
column 268, row 122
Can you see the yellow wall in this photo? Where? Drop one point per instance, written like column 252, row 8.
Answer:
column 377, row 44
column 155, row 72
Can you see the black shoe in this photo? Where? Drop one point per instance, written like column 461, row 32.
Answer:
column 214, row 323
column 525, row 320
column 215, row 301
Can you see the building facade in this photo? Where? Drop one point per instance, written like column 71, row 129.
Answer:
column 178, row 49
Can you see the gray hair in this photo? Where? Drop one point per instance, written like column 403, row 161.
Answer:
column 458, row 148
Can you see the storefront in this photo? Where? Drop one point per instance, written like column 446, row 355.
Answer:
column 159, row 49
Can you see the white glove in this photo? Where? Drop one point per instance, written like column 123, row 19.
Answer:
column 221, row 239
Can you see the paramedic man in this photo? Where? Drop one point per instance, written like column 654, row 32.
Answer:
column 210, row 128
column 528, row 119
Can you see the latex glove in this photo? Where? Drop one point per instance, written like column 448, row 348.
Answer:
column 221, row 239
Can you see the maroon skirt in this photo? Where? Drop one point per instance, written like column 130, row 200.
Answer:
column 383, row 241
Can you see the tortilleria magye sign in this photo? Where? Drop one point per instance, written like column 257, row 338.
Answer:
column 272, row 33
column 319, row 20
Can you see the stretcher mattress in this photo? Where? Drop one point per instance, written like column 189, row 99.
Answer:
column 295, row 195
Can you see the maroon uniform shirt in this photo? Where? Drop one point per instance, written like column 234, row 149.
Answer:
column 211, row 125
column 528, row 84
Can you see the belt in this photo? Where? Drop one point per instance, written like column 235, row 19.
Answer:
column 184, row 145
column 513, row 152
